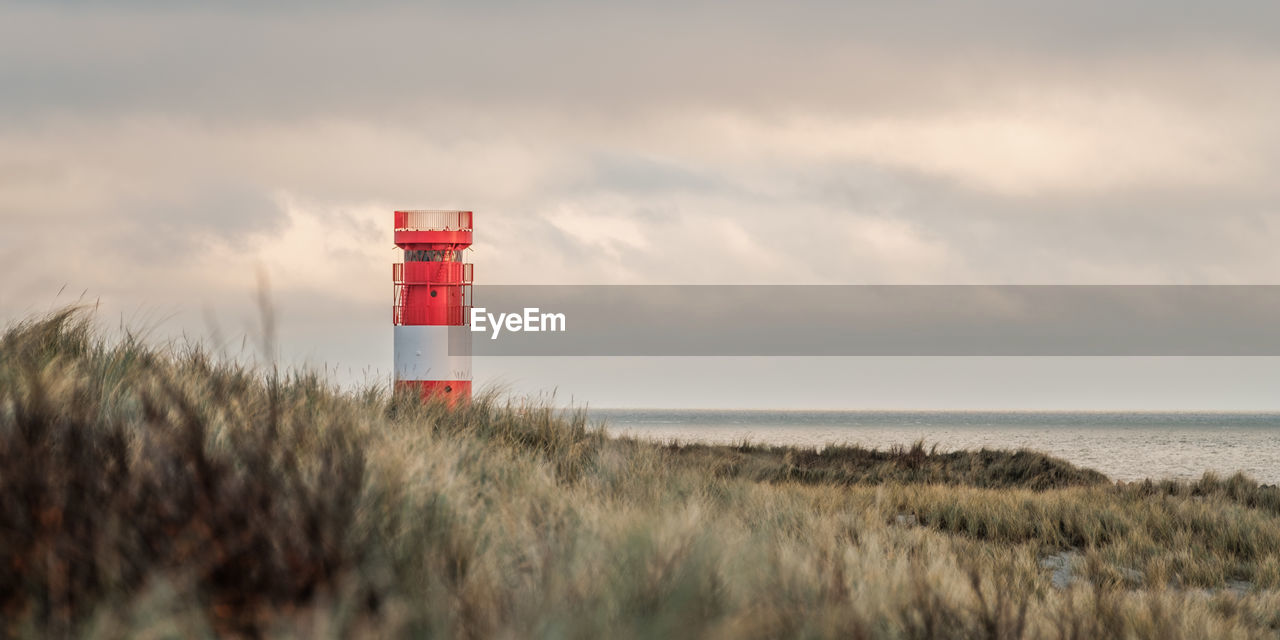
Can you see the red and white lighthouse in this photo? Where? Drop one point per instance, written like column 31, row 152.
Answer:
column 433, row 293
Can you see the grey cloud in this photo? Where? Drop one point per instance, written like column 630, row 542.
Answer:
column 400, row 58
column 638, row 174
column 167, row 227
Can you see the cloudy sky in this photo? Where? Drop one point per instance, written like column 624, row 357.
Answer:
column 155, row 157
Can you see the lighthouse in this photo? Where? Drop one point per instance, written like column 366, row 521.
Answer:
column 432, row 294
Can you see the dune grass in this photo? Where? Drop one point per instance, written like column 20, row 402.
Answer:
column 152, row 491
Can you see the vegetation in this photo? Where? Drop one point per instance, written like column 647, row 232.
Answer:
column 165, row 492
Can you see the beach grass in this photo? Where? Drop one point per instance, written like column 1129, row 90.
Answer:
column 161, row 491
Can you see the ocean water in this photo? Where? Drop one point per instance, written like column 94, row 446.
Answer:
column 1123, row 445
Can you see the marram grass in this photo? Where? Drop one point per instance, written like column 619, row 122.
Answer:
column 162, row 492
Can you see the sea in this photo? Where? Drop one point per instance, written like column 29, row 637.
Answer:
column 1123, row 445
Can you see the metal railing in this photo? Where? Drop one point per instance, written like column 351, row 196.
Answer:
column 403, row 315
column 433, row 273
column 433, row 220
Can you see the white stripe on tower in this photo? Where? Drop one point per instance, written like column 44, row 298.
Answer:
column 422, row 353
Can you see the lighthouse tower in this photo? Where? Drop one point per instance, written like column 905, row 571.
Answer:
column 432, row 294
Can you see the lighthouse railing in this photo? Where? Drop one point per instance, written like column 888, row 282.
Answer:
column 432, row 220
column 432, row 273
column 411, row 315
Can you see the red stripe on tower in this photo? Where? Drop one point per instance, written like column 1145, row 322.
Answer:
column 432, row 294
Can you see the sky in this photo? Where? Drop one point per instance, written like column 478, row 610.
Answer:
column 162, row 159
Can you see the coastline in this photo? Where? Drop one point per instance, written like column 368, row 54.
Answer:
column 1125, row 445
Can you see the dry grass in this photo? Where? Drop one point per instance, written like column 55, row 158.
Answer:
column 161, row 492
